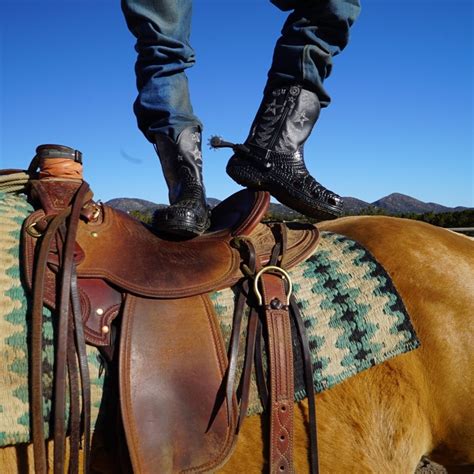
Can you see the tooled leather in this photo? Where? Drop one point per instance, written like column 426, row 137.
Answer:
column 95, row 294
column 302, row 240
column 53, row 194
column 127, row 254
column 123, row 252
column 106, row 249
column 169, row 427
column 281, row 376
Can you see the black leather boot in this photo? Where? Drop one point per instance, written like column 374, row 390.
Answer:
column 271, row 159
column 188, row 214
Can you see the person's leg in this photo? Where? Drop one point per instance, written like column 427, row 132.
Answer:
column 272, row 156
column 314, row 32
column 162, row 29
column 163, row 108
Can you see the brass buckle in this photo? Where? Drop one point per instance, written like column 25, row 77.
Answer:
column 272, row 268
column 33, row 231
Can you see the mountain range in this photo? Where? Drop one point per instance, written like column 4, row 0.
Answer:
column 397, row 203
column 394, row 203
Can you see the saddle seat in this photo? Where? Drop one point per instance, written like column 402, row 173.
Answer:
column 126, row 253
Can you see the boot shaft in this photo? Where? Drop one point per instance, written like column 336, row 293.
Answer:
column 284, row 119
column 181, row 161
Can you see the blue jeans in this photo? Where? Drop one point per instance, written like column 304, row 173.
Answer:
column 315, row 31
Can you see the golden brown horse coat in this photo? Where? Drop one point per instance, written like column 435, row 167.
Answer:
column 384, row 419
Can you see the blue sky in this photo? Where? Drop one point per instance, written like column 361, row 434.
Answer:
column 401, row 118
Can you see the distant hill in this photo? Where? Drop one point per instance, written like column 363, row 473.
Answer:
column 354, row 205
column 281, row 210
column 143, row 206
column 394, row 203
column 134, row 204
column 213, row 202
column 397, row 203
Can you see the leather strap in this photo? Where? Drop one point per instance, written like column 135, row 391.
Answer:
column 62, row 333
column 243, row 391
column 309, row 385
column 37, row 344
column 83, row 370
column 74, row 401
column 234, row 346
column 280, row 358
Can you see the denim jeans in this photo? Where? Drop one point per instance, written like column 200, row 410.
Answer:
column 315, row 31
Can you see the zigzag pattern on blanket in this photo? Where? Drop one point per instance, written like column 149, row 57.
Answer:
column 354, row 316
column 14, row 331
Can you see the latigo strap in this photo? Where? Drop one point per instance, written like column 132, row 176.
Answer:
column 280, row 358
column 271, row 297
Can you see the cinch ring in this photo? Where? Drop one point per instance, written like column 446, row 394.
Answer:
column 278, row 270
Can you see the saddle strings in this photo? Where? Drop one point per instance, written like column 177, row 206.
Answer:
column 249, row 269
column 78, row 376
column 80, row 342
column 74, row 400
column 309, row 385
column 37, row 394
column 70, row 342
column 64, row 315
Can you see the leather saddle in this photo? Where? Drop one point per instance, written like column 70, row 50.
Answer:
column 142, row 299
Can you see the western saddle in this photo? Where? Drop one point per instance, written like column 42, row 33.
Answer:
column 143, row 301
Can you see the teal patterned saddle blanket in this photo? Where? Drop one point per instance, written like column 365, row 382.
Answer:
column 353, row 314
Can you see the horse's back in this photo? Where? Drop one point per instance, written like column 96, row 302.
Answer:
column 433, row 270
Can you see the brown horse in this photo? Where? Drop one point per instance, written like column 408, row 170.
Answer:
column 420, row 403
